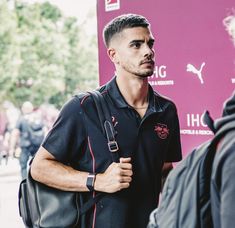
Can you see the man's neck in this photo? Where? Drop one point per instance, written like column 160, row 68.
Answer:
column 134, row 90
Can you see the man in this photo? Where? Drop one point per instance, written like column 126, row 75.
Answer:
column 21, row 132
column 147, row 134
column 223, row 172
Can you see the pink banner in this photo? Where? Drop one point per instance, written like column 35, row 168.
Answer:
column 194, row 56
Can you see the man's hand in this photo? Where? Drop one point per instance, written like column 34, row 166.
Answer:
column 115, row 178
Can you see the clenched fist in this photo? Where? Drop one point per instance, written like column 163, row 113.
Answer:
column 115, row 178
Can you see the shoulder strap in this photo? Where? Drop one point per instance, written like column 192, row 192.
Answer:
column 91, row 202
column 207, row 119
column 106, row 123
column 109, row 131
column 102, row 113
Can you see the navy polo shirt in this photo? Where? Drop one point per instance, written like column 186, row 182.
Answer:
column 76, row 138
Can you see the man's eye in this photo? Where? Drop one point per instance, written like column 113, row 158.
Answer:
column 136, row 45
column 151, row 45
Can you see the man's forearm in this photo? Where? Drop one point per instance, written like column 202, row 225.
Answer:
column 57, row 175
column 46, row 169
column 167, row 167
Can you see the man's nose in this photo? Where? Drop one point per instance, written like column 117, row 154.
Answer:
column 148, row 52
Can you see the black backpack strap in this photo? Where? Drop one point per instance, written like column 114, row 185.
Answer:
column 91, row 202
column 106, row 123
column 109, row 131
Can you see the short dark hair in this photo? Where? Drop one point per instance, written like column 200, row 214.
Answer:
column 122, row 22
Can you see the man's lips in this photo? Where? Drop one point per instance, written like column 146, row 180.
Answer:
column 151, row 62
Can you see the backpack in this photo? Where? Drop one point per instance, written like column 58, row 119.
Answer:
column 43, row 206
column 185, row 200
column 35, row 133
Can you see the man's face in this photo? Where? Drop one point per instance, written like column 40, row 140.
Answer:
column 132, row 51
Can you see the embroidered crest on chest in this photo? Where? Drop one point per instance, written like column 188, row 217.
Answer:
column 162, row 130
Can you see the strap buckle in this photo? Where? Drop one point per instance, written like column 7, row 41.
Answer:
column 113, row 146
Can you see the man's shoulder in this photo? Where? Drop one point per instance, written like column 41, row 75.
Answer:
column 162, row 97
column 85, row 98
column 164, row 101
column 72, row 107
column 80, row 97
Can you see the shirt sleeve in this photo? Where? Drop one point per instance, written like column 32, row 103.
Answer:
column 65, row 139
column 174, row 152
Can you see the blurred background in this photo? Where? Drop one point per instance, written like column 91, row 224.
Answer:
column 48, row 52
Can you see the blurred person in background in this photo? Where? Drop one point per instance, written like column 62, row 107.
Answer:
column 5, row 139
column 49, row 114
column 29, row 133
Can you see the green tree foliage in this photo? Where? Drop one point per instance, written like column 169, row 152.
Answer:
column 44, row 56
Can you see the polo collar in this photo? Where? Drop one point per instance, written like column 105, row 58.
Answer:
column 120, row 102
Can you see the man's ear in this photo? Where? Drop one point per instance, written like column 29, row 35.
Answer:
column 112, row 55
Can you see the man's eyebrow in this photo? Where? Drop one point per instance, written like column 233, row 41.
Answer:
column 136, row 41
column 142, row 41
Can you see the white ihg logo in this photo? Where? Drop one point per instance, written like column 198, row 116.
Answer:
column 191, row 68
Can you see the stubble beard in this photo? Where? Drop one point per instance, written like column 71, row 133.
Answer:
column 145, row 74
column 140, row 73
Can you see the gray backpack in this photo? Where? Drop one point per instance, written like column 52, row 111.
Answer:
column 185, row 201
